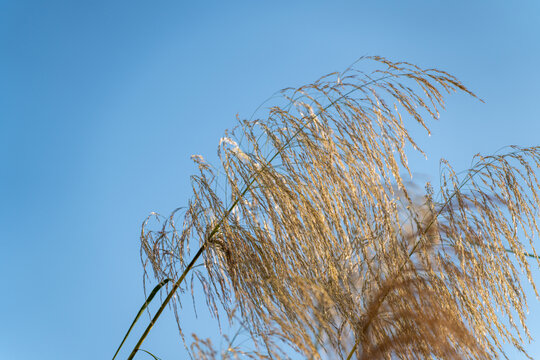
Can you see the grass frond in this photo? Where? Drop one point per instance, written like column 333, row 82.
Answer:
column 310, row 231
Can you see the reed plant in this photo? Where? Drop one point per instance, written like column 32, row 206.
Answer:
column 312, row 233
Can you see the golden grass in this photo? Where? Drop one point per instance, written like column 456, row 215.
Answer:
column 309, row 232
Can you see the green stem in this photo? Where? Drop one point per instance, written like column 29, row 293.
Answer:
column 143, row 307
column 167, row 299
column 149, row 353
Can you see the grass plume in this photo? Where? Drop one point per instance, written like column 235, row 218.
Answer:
column 311, row 234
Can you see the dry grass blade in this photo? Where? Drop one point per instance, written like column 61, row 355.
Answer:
column 310, row 233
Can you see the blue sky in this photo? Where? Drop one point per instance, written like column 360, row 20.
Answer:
column 103, row 102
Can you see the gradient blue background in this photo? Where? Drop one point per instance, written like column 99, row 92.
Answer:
column 103, row 102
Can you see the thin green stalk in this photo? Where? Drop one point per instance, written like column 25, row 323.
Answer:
column 143, row 307
column 149, row 353
column 231, row 208
column 525, row 254
column 167, row 299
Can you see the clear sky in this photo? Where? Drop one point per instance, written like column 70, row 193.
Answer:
column 103, row 102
